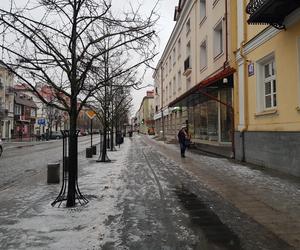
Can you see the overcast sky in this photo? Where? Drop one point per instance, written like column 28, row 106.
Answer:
column 164, row 28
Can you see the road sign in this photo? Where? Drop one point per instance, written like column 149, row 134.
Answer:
column 41, row 121
column 91, row 114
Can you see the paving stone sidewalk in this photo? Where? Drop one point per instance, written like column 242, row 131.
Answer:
column 271, row 198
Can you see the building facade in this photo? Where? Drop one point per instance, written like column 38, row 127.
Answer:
column 194, row 78
column 268, row 84
column 145, row 114
column 25, row 111
column 6, row 103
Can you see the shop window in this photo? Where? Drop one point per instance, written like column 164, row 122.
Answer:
column 226, row 115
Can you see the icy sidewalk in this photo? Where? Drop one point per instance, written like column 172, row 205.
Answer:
column 27, row 220
column 270, row 198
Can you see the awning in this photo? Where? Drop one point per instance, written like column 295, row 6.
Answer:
column 270, row 11
column 193, row 95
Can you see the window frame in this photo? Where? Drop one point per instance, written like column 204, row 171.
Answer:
column 218, row 36
column 261, row 81
column 202, row 67
column 202, row 3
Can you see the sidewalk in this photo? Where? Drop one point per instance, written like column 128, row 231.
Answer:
column 272, row 199
column 128, row 209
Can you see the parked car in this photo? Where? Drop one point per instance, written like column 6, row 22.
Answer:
column 1, row 147
column 54, row 135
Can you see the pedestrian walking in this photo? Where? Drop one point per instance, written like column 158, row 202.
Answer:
column 183, row 139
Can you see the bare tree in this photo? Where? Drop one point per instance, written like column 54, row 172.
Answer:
column 59, row 42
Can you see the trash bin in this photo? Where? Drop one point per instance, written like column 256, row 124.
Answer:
column 89, row 153
column 53, row 173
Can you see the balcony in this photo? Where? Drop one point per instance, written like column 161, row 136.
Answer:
column 187, row 67
column 271, row 12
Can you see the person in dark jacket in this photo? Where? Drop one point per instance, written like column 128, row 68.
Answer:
column 182, row 138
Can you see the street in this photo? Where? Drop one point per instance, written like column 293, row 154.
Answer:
column 20, row 162
column 147, row 198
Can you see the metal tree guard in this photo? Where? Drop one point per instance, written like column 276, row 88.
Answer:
column 103, row 152
column 62, row 196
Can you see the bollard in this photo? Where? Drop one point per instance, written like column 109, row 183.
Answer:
column 94, row 150
column 89, row 153
column 53, row 173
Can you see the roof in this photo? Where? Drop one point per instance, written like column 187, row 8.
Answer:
column 24, row 100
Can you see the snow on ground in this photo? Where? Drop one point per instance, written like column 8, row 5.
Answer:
column 28, row 221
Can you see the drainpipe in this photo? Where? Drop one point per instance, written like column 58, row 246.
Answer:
column 246, row 117
column 226, row 34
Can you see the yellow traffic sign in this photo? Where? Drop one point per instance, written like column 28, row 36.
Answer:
column 90, row 113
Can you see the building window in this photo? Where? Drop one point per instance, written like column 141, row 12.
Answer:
column 166, row 67
column 170, row 63
column 188, row 49
column 179, row 80
column 188, row 26
column 270, row 84
column 174, row 85
column 218, row 39
column 202, row 10
column 203, row 55
column 33, row 112
column 266, row 81
column 179, row 48
column 170, row 90
column 166, row 94
column 174, row 56
column 18, row 110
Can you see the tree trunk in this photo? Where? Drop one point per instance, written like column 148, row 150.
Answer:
column 73, row 158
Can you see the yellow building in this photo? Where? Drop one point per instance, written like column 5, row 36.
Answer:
column 267, row 90
column 145, row 114
column 194, row 77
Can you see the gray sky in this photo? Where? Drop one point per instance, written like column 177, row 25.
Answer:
column 164, row 29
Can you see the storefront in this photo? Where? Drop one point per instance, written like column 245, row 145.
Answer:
column 210, row 113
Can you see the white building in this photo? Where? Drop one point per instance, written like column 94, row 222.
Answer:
column 193, row 79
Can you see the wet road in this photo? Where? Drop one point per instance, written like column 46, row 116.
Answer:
column 20, row 162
